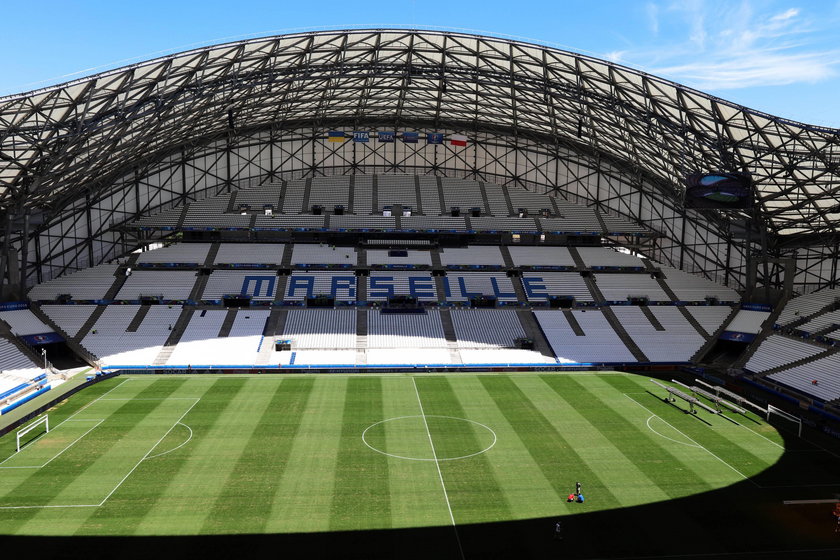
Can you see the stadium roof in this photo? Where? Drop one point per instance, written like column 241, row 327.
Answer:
column 59, row 142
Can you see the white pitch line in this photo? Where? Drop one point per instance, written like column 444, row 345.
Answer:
column 437, row 464
column 745, row 477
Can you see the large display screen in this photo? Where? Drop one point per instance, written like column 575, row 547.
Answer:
column 719, row 191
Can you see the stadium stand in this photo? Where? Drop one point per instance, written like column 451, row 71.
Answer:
column 23, row 322
column 461, row 286
column 777, row 350
column 674, row 341
column 323, row 254
column 541, row 286
column 190, row 253
column 259, row 285
column 825, row 371
column 250, row 253
column 618, row 287
column 308, row 284
column 486, row 328
column 87, row 284
column 324, row 329
column 70, row 318
column 598, row 342
column 383, row 284
column 385, row 257
column 474, row 255
column 541, row 256
column 688, row 287
column 169, row 284
column 807, row 305
column 598, row 257
column 710, row 317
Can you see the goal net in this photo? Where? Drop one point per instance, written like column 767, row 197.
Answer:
column 40, row 427
column 782, row 414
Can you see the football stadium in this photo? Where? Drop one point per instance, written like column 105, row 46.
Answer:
column 390, row 293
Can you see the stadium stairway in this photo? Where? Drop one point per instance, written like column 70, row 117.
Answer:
column 534, row 332
column 509, row 203
column 597, row 295
column 276, row 323
column 651, row 317
column 138, row 318
column 304, row 209
column 72, row 344
column 578, row 260
column 351, row 193
column 232, row 202
column 175, row 336
column 374, row 195
column 94, row 317
column 183, row 216
column 418, row 196
column 211, row 255
column 485, row 200
column 449, row 334
column 712, row 339
column 622, row 334
column 120, row 278
column 198, row 288
column 227, row 324
column 361, row 336
column 443, row 209
column 573, row 323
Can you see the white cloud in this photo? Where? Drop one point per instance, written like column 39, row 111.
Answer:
column 652, row 12
column 727, row 45
column 614, row 56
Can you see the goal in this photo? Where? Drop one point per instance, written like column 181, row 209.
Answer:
column 42, row 421
column 789, row 417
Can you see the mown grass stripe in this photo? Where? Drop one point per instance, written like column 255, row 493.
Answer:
column 247, row 495
column 45, row 486
column 217, row 421
column 509, row 459
column 469, row 482
column 650, row 469
column 554, row 453
column 361, row 492
column 302, row 495
column 144, row 489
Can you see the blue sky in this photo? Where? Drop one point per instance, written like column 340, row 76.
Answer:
column 777, row 56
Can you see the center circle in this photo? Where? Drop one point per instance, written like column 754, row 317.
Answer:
column 429, row 438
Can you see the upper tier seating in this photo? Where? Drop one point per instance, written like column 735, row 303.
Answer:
column 541, row 256
column 295, row 193
column 462, row 194
column 170, row 284
column 397, row 189
column 474, row 255
column 677, row 343
column 599, row 344
column 323, row 254
column 250, row 253
column 191, row 253
column 260, row 197
column 261, row 286
column 363, row 195
column 330, row 192
column 804, row 306
column 595, row 257
column 747, row 321
column 540, row 286
column 710, row 317
column 777, row 350
column 621, row 286
column 86, row 284
column 688, row 287
column 381, row 257
column 23, row 322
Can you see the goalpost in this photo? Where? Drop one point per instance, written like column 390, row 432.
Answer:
column 44, row 420
column 789, row 417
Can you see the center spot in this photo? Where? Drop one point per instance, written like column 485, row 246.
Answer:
column 408, row 437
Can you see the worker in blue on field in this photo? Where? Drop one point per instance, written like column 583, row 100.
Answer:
column 580, row 498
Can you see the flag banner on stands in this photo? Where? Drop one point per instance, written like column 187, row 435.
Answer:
column 387, row 136
column 434, row 138
column 335, row 136
column 361, row 136
column 458, row 140
column 410, row 137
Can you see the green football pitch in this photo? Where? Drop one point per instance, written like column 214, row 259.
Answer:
column 408, row 466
